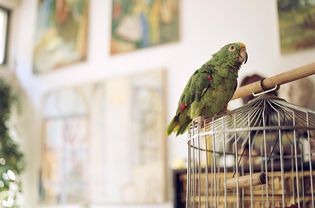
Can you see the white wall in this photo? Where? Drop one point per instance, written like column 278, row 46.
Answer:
column 206, row 25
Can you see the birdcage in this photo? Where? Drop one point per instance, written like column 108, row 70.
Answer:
column 259, row 155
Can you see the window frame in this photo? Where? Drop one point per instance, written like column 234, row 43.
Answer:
column 11, row 6
column 7, row 36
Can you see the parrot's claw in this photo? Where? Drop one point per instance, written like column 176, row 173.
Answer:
column 221, row 113
column 198, row 119
column 224, row 111
column 196, row 124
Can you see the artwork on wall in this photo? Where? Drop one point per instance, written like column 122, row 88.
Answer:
column 108, row 139
column 141, row 24
column 139, row 139
column 296, row 24
column 61, row 34
column 65, row 148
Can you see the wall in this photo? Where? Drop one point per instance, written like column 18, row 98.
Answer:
column 206, row 25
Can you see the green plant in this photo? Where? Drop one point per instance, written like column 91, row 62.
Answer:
column 11, row 158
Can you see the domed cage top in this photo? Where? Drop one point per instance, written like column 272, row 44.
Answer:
column 259, row 155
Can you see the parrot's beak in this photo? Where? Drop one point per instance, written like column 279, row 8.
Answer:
column 243, row 55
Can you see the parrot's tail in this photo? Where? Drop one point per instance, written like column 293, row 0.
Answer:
column 177, row 127
column 172, row 126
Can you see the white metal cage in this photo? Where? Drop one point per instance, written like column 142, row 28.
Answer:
column 259, row 155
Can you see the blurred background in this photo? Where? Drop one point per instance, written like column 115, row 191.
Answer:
column 98, row 80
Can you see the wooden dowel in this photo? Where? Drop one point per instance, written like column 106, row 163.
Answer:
column 289, row 76
column 244, row 181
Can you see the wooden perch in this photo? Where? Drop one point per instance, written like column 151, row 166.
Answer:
column 268, row 83
column 244, row 181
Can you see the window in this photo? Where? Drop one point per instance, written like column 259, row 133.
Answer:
column 4, row 19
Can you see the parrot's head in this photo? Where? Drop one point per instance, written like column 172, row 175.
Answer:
column 234, row 54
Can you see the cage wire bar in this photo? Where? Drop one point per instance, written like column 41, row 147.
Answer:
column 259, row 155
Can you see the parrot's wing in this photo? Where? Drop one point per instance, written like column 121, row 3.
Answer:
column 195, row 89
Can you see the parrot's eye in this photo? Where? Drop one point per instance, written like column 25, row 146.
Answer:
column 231, row 48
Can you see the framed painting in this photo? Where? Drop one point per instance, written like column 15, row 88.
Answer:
column 107, row 139
column 71, row 118
column 296, row 24
column 63, row 176
column 64, row 158
column 136, row 138
column 61, row 34
column 141, row 24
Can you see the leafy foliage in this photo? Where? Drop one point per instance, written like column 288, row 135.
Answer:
column 11, row 158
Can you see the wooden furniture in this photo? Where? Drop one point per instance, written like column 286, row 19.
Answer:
column 259, row 196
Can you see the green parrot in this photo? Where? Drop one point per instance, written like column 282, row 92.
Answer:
column 210, row 88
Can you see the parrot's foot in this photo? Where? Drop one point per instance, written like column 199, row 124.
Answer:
column 223, row 111
column 198, row 119
column 196, row 124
